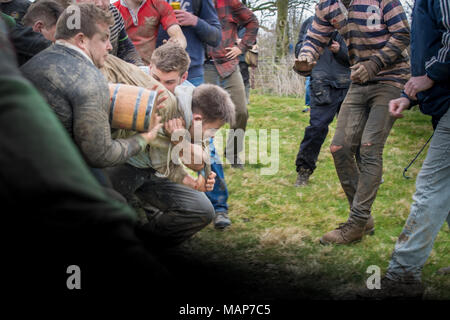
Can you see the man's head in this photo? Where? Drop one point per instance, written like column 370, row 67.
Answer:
column 86, row 27
column 42, row 16
column 102, row 4
column 169, row 65
column 211, row 108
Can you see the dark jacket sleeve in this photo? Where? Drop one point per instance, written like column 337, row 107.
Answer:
column 438, row 66
column 208, row 28
column 127, row 51
column 302, row 34
column 27, row 43
column 342, row 55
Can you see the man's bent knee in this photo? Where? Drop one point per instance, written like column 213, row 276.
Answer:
column 334, row 148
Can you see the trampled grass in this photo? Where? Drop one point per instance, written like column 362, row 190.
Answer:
column 276, row 226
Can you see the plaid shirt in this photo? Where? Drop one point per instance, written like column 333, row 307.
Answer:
column 232, row 13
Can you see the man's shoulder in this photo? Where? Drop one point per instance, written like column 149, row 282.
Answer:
column 63, row 65
column 158, row 5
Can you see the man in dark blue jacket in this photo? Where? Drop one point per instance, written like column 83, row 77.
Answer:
column 429, row 86
column 330, row 79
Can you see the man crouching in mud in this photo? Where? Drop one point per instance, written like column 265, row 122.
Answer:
column 174, row 203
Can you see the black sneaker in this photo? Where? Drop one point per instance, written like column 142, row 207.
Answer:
column 221, row 221
column 303, row 177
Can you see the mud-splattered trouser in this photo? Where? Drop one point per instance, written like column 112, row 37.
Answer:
column 429, row 210
column 364, row 121
column 234, row 85
column 174, row 212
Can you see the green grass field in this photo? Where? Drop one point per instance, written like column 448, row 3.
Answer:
column 276, row 227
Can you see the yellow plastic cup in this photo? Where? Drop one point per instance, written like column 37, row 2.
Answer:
column 176, row 5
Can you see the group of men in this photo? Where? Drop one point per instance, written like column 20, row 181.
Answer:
column 363, row 84
column 189, row 55
column 69, row 52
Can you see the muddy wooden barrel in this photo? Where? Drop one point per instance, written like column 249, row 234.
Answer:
column 130, row 107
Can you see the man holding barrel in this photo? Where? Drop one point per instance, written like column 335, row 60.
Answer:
column 174, row 203
column 67, row 75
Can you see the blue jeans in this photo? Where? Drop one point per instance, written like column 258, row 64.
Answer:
column 219, row 195
column 429, row 210
column 307, row 88
column 197, row 81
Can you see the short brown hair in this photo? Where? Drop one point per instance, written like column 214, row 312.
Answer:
column 213, row 103
column 90, row 16
column 46, row 10
column 170, row 57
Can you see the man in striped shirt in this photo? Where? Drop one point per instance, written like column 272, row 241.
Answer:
column 376, row 33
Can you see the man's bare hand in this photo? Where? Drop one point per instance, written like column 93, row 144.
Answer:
column 185, row 18
column 397, row 106
column 304, row 63
column 162, row 96
column 206, row 185
column 155, row 125
column 175, row 127
column 335, row 46
column 418, row 84
column 233, row 52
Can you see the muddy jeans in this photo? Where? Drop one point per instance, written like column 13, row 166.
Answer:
column 429, row 210
column 234, row 85
column 364, row 121
column 175, row 212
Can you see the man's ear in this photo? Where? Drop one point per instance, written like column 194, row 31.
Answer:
column 184, row 77
column 80, row 40
column 38, row 26
column 197, row 117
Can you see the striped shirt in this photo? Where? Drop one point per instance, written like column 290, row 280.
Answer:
column 115, row 29
column 372, row 29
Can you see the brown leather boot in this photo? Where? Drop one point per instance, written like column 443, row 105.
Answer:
column 346, row 233
column 370, row 227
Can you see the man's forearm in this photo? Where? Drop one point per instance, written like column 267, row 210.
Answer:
column 176, row 33
column 194, row 160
